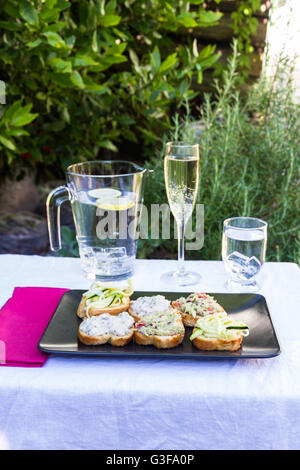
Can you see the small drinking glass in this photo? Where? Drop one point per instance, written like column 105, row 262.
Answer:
column 243, row 251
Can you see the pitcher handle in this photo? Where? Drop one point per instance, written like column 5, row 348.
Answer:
column 54, row 200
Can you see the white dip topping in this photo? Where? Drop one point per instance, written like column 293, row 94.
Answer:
column 106, row 324
column 147, row 305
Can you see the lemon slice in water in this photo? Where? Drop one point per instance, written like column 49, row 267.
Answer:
column 104, row 193
column 115, row 203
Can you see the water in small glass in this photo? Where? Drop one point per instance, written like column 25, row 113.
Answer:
column 243, row 250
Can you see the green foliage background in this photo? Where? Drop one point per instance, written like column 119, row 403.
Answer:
column 249, row 163
column 86, row 79
column 99, row 76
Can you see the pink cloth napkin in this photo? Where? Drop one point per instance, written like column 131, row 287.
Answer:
column 23, row 320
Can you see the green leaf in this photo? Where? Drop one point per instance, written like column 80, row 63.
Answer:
column 109, row 20
column 95, row 45
column 195, row 48
column 109, row 60
column 11, row 10
column 110, row 7
column 209, row 61
column 60, row 65
column 63, row 80
column 94, row 87
column 208, row 17
column 77, row 79
column 200, row 77
column 10, row 25
column 187, row 20
column 23, row 119
column 8, row 143
column 33, row 44
column 108, row 145
column 134, row 58
column 50, row 3
column 155, row 60
column 54, row 39
column 50, row 15
column 183, row 87
column 11, row 110
column 83, row 60
column 63, row 5
column 154, row 95
column 169, row 62
column 206, row 51
column 54, row 27
column 28, row 13
column 125, row 120
column 41, row 96
column 70, row 41
column 17, row 132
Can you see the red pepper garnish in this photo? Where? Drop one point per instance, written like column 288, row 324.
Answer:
column 201, row 296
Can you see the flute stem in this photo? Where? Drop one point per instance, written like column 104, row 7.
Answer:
column 180, row 231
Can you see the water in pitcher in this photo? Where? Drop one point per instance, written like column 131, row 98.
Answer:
column 243, row 253
column 106, row 224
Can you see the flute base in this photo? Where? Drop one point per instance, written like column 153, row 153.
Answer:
column 185, row 278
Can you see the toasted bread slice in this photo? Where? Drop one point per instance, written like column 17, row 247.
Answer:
column 148, row 305
column 130, row 311
column 217, row 344
column 160, row 342
column 205, row 305
column 94, row 310
column 218, row 332
column 164, row 330
column 102, row 339
column 117, row 330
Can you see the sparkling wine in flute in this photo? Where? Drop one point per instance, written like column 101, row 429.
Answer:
column 181, row 180
column 181, row 177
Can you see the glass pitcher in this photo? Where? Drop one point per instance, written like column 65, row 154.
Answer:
column 106, row 198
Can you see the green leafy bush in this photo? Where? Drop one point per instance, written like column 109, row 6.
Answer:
column 12, row 122
column 244, row 26
column 96, row 74
column 250, row 165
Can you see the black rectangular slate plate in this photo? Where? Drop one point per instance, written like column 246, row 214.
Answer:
column 60, row 336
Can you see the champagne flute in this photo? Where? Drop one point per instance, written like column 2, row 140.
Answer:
column 181, row 166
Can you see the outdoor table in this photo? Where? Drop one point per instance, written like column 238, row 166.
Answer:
column 147, row 403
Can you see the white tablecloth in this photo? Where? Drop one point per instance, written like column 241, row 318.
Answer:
column 111, row 403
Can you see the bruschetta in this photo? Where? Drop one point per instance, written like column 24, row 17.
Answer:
column 118, row 330
column 218, row 332
column 164, row 330
column 148, row 305
column 195, row 306
column 104, row 298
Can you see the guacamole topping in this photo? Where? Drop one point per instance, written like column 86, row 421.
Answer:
column 163, row 324
column 198, row 304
